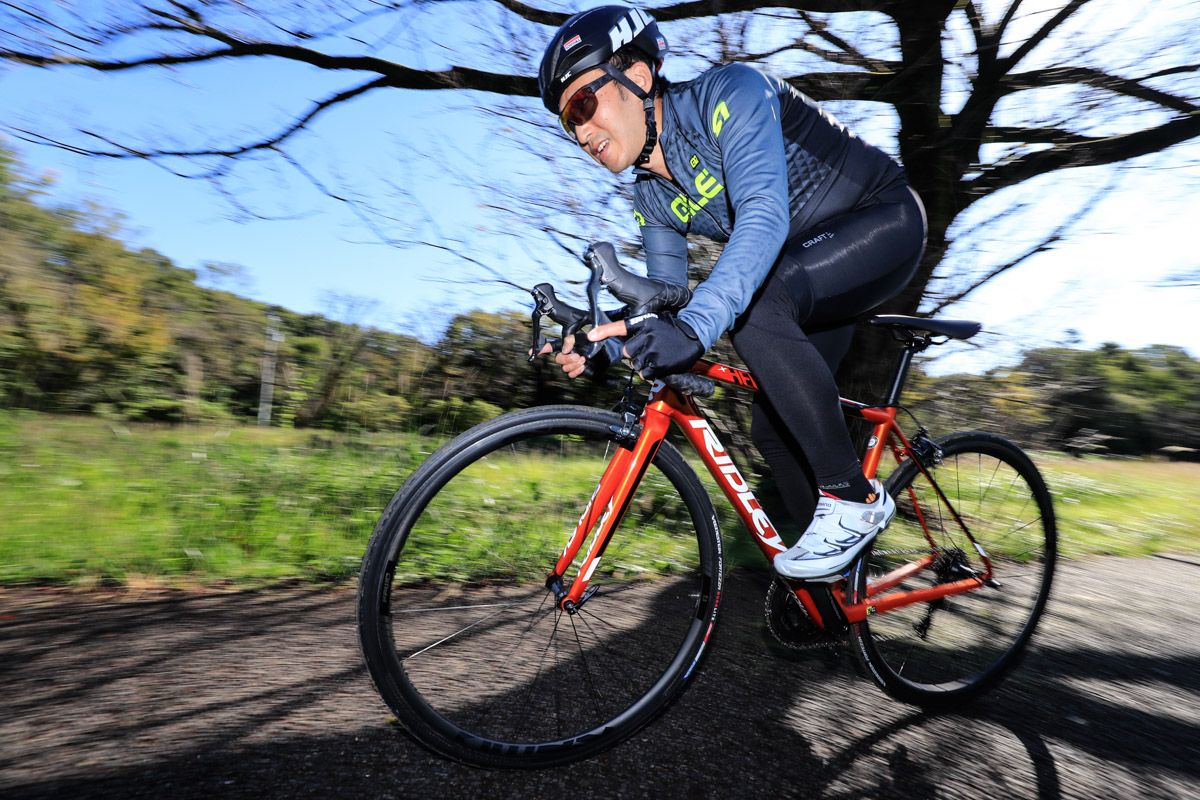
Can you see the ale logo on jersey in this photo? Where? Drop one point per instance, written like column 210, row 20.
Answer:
column 708, row 188
column 720, row 114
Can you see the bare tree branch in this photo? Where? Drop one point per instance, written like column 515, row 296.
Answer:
column 1047, row 244
column 1015, row 135
column 699, row 9
column 126, row 151
column 977, row 26
column 1131, row 87
column 1089, row 153
column 1009, row 15
column 43, row 21
column 844, row 85
column 1032, row 42
column 393, row 74
column 833, row 57
column 849, row 54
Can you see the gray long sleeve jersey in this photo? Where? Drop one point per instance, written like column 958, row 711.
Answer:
column 754, row 162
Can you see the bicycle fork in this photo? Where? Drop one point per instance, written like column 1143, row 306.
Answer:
column 605, row 511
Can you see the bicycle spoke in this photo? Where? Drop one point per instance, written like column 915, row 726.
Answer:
column 963, row 642
column 484, row 645
column 454, row 635
column 587, row 670
column 435, row 609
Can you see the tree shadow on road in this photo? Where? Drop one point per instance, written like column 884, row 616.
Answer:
column 262, row 695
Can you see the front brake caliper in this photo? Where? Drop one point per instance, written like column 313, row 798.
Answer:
column 925, row 450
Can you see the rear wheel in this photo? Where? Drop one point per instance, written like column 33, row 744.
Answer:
column 948, row 651
column 461, row 635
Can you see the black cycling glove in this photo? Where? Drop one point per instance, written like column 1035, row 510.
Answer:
column 661, row 344
column 599, row 360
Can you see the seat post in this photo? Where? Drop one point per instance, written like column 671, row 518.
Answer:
column 903, row 362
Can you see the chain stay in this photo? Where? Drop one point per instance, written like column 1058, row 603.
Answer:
column 839, row 642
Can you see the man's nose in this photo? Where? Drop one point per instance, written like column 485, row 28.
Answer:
column 583, row 133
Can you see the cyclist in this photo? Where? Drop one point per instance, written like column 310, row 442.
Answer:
column 819, row 228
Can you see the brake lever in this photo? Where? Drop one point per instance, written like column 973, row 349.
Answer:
column 539, row 341
column 594, row 284
column 547, row 303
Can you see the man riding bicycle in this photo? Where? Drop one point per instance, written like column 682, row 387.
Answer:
column 820, row 227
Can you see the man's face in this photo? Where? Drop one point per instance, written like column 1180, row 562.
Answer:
column 616, row 132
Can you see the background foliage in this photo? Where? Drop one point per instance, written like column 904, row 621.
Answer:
column 89, row 325
column 119, row 338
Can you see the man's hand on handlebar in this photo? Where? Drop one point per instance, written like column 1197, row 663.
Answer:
column 572, row 363
column 657, row 344
column 607, row 331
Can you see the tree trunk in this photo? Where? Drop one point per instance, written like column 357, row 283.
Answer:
column 866, row 373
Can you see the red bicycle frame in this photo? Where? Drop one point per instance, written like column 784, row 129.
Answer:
column 625, row 470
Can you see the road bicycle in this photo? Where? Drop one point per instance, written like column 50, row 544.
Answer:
column 546, row 583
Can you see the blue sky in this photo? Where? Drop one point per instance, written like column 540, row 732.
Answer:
column 435, row 153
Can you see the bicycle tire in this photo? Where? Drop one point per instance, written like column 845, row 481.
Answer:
column 473, row 655
column 942, row 654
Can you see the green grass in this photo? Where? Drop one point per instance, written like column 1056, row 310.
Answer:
column 510, row 510
column 1123, row 506
column 86, row 502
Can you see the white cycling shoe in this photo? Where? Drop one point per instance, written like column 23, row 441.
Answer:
column 839, row 531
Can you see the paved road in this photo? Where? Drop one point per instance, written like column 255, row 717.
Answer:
column 262, row 695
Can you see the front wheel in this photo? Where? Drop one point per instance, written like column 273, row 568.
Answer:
column 461, row 635
column 946, row 652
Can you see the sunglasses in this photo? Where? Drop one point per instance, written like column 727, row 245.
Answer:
column 582, row 105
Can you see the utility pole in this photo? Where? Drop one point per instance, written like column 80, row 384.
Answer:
column 266, row 394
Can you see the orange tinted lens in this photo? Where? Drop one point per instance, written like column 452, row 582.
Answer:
column 580, row 108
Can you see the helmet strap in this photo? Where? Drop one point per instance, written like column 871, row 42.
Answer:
column 651, row 132
column 647, row 99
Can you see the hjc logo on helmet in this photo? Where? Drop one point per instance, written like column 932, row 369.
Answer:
column 623, row 32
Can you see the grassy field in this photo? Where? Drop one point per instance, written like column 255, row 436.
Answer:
column 83, row 501
column 1123, row 506
column 86, row 502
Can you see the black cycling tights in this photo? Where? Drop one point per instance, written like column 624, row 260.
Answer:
column 824, row 278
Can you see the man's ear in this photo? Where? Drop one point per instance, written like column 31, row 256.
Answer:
column 641, row 74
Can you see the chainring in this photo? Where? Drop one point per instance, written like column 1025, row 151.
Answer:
column 790, row 624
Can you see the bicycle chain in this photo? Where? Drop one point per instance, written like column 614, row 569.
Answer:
column 834, row 644
column 922, row 551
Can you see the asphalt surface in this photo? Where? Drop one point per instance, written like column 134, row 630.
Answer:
column 262, row 694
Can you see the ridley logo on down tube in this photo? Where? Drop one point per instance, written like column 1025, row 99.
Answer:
column 729, row 472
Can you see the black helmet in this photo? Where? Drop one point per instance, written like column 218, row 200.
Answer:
column 589, row 39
